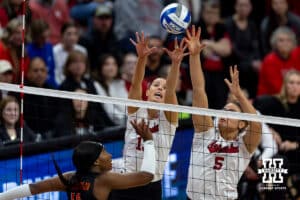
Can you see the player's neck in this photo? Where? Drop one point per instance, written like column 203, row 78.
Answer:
column 229, row 135
column 96, row 169
column 152, row 113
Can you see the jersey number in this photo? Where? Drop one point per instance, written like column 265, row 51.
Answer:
column 218, row 162
column 139, row 144
column 75, row 196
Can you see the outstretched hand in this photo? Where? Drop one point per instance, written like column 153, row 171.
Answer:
column 178, row 53
column 141, row 45
column 234, row 85
column 142, row 129
column 192, row 40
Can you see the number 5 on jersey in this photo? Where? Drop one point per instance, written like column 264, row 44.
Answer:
column 218, row 162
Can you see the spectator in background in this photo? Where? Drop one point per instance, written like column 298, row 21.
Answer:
column 218, row 47
column 79, row 118
column 72, row 3
column 40, row 47
column 133, row 15
column 109, row 83
column 70, row 37
column 127, row 71
column 286, row 103
column 10, row 9
column 83, row 13
column 10, row 125
column 40, row 110
column 11, row 47
column 54, row 12
column 6, row 76
column 101, row 39
column 278, row 62
column 279, row 16
column 155, row 60
column 75, row 69
column 245, row 45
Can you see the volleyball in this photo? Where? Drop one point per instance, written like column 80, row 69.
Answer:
column 175, row 18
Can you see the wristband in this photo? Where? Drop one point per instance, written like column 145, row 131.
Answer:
column 15, row 193
column 149, row 161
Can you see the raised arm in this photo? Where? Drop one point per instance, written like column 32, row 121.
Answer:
column 123, row 181
column 143, row 52
column 201, row 123
column 170, row 97
column 253, row 133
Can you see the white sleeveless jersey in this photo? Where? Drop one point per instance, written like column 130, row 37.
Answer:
column 163, row 135
column 216, row 166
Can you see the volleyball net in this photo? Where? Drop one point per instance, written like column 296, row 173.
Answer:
column 57, row 125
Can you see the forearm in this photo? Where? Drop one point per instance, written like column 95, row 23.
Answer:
column 247, row 107
column 139, row 72
column 135, row 91
column 149, row 160
column 268, row 143
column 172, row 79
column 196, row 72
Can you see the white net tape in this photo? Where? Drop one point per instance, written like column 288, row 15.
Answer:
column 151, row 105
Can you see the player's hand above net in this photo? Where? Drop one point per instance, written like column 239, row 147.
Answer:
column 192, row 40
column 141, row 45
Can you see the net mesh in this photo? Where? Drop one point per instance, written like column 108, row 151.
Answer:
column 198, row 165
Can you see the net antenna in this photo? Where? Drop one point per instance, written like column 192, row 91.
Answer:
column 22, row 92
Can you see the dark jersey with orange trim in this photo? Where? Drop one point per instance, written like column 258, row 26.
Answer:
column 84, row 189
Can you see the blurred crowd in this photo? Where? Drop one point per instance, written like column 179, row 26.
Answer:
column 83, row 46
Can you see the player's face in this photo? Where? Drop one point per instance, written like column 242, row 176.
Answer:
column 157, row 90
column 293, row 86
column 227, row 125
column 105, row 160
column 11, row 113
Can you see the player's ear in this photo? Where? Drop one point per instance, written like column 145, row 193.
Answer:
column 242, row 124
column 97, row 162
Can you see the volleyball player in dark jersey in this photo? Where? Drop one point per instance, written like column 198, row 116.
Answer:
column 93, row 179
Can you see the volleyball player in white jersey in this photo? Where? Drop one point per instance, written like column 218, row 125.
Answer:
column 218, row 156
column 162, row 123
